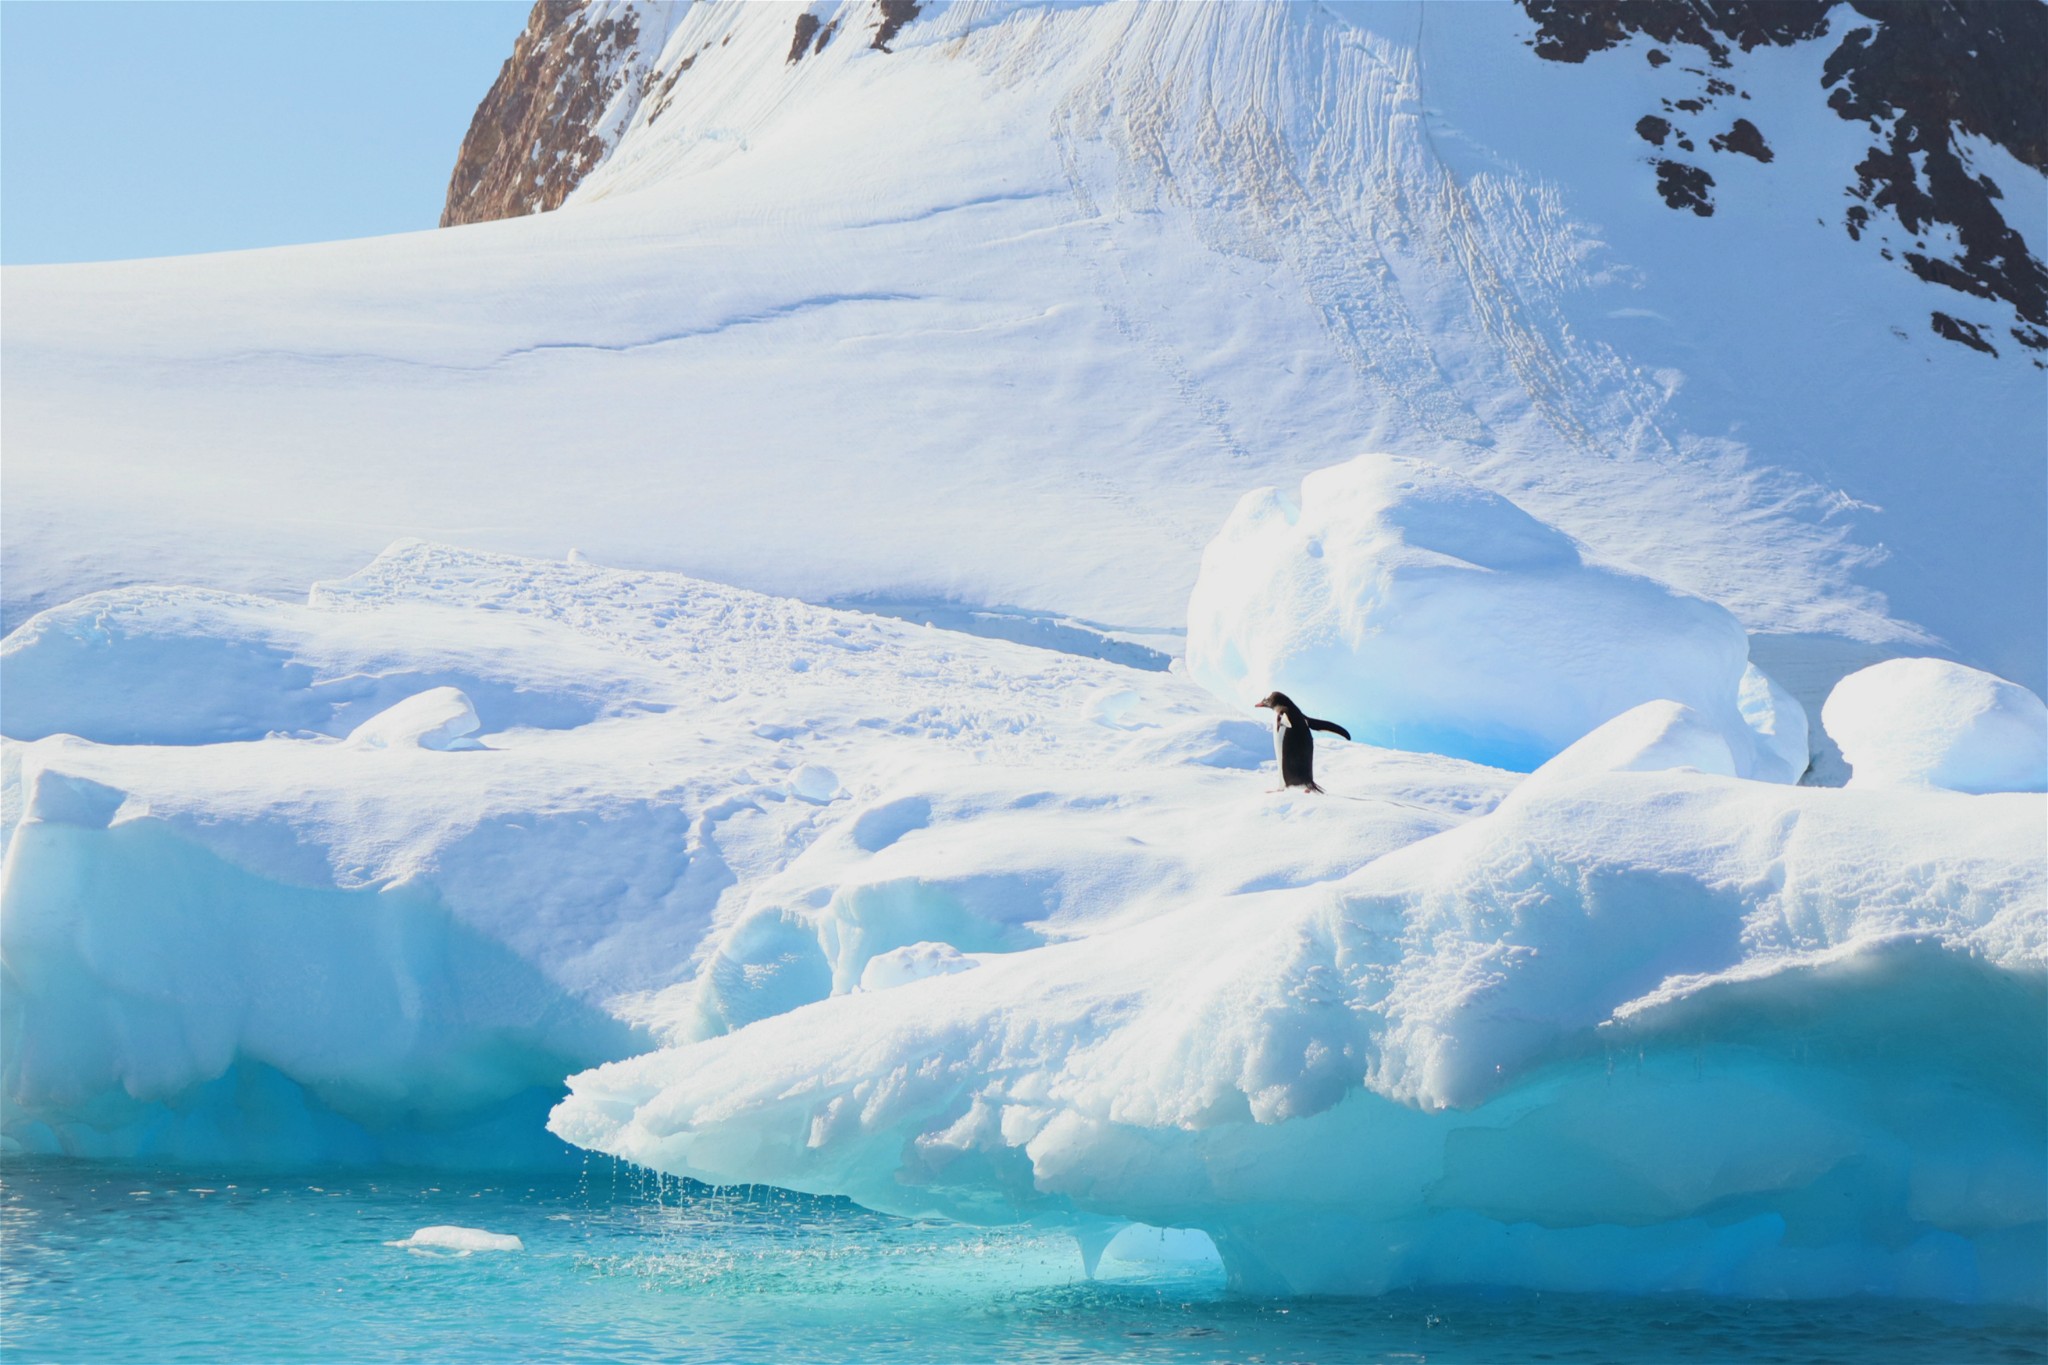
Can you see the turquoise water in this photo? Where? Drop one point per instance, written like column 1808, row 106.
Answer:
column 100, row 1263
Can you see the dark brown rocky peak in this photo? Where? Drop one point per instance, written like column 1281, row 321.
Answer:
column 578, row 77
column 537, row 134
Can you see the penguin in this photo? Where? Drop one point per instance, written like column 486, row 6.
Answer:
column 1293, row 745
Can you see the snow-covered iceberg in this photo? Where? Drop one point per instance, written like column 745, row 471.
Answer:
column 1424, row 612
column 1936, row 723
column 953, row 925
column 365, row 877
column 1632, row 1030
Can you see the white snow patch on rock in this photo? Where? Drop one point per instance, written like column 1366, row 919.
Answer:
column 1933, row 723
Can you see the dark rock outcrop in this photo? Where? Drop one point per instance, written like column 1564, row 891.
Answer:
column 1969, row 333
column 1572, row 30
column 1922, row 76
column 1926, row 73
column 536, row 134
column 1685, row 187
column 895, row 14
column 1744, row 138
column 555, row 113
column 806, row 29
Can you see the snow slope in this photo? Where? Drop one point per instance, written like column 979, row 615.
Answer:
column 1011, row 315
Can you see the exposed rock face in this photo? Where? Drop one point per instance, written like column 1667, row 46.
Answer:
column 1685, row 187
column 544, row 124
column 578, row 78
column 1922, row 75
column 1743, row 137
column 895, row 14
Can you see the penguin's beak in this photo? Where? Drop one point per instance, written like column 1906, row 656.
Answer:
column 1266, row 704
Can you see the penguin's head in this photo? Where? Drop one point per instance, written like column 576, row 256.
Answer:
column 1278, row 701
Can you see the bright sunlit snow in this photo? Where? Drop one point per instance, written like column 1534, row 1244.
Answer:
column 1045, row 337
column 1423, row 612
column 1929, row 722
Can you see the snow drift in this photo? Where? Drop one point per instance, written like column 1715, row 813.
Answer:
column 1424, row 612
column 1934, row 723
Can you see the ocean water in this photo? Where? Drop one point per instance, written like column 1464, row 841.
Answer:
column 109, row 1264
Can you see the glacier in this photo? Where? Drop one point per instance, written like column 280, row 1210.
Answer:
column 1085, row 273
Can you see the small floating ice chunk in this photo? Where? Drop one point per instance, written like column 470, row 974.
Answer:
column 459, row 1241
column 437, row 718
column 1932, row 723
column 901, row 966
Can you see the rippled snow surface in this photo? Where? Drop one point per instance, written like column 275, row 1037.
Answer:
column 113, row 1264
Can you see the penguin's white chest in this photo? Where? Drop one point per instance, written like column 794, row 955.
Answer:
column 1280, row 741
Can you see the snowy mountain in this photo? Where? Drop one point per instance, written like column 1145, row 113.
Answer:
column 1085, row 273
column 829, row 502
column 1938, row 85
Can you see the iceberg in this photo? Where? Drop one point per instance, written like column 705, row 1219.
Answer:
column 1422, row 611
column 1563, row 984
column 954, row 926
column 363, row 877
column 458, row 1240
column 1631, row 1030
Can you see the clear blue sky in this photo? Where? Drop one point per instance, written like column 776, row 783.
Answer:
column 160, row 127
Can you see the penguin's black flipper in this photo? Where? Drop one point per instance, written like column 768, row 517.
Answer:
column 1332, row 726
